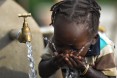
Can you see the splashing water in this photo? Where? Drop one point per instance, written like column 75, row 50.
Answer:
column 53, row 45
column 32, row 72
column 69, row 73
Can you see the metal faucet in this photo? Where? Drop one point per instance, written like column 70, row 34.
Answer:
column 25, row 34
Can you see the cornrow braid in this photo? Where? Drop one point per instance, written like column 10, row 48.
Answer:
column 81, row 11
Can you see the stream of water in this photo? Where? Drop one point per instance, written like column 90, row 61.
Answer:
column 32, row 71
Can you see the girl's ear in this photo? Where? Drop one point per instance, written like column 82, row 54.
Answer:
column 95, row 39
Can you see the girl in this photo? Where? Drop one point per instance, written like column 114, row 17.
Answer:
column 76, row 47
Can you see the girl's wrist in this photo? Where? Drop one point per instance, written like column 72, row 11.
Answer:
column 83, row 68
column 86, row 69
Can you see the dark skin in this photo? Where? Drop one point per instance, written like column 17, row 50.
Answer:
column 69, row 42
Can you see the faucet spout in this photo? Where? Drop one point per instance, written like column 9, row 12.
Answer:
column 25, row 34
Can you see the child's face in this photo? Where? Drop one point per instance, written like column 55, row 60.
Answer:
column 71, row 37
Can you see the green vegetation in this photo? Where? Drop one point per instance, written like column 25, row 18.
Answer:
column 107, row 1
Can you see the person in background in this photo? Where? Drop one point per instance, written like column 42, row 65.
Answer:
column 76, row 50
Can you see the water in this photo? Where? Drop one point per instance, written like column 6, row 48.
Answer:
column 32, row 71
column 53, row 45
column 68, row 74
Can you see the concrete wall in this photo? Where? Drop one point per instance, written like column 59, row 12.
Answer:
column 13, row 55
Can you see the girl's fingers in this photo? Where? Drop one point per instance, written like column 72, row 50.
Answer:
column 76, row 59
column 80, row 58
column 68, row 62
column 73, row 62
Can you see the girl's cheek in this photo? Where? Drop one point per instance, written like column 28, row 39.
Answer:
column 82, row 54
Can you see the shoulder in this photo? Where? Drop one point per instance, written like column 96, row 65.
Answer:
column 105, row 62
column 106, row 45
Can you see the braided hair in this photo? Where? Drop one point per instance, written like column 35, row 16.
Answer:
column 81, row 11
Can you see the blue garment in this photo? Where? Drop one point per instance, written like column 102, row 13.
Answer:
column 95, row 49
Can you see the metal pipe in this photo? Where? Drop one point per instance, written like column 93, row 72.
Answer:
column 47, row 30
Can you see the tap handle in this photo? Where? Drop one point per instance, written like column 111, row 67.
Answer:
column 24, row 15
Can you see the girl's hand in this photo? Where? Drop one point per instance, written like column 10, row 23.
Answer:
column 76, row 62
column 59, row 60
